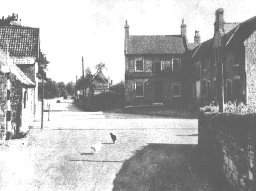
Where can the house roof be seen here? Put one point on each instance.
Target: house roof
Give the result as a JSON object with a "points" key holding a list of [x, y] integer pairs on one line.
{"points": [[229, 26], [237, 32], [19, 41], [155, 44]]}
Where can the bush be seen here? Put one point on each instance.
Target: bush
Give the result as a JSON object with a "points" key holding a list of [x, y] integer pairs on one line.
{"points": [[105, 101], [231, 107]]}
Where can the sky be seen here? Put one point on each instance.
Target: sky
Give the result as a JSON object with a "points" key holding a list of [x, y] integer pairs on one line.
{"points": [[94, 29]]}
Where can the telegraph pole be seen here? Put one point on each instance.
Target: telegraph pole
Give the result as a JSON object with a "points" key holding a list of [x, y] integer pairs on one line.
{"points": [[42, 114], [83, 72]]}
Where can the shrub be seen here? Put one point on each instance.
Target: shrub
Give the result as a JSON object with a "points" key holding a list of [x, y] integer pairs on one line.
{"points": [[231, 107]]}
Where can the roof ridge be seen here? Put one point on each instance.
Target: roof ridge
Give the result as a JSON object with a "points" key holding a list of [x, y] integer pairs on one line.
{"points": [[156, 35], [15, 26]]}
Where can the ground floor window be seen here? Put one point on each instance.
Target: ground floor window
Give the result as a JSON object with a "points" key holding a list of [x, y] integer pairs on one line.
{"points": [[229, 90], [236, 88], [176, 89], [139, 89]]}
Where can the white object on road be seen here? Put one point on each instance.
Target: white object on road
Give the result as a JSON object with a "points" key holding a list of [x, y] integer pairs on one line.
{"points": [[96, 147]]}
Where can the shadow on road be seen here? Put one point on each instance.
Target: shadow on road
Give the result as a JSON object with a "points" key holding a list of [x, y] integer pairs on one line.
{"points": [[161, 167]]}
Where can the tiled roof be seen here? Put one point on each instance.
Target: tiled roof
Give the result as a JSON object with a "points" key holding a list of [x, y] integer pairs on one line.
{"points": [[20, 41], [229, 26], [156, 44], [191, 46], [203, 49], [238, 33]]}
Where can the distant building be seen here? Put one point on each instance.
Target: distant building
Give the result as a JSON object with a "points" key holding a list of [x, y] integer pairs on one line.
{"points": [[156, 68]]}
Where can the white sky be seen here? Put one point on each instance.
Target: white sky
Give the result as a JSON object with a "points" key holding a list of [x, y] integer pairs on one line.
{"points": [[70, 29]]}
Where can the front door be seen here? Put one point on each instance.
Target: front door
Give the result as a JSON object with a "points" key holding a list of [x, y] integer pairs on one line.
{"points": [[158, 92]]}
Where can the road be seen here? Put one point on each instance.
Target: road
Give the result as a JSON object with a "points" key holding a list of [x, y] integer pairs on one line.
{"points": [[59, 157]]}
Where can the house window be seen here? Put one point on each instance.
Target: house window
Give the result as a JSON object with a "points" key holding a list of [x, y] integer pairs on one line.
{"points": [[229, 90], [209, 93], [215, 88], [194, 90], [204, 88], [176, 89], [139, 89], [176, 64], [139, 65], [236, 88], [165, 65], [25, 99]]}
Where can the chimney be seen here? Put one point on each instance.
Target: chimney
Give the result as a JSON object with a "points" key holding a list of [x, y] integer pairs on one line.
{"points": [[126, 27], [183, 28], [219, 20], [197, 38]]}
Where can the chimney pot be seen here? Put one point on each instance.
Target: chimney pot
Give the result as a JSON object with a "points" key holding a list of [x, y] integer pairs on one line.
{"points": [[219, 20], [197, 38], [183, 28]]}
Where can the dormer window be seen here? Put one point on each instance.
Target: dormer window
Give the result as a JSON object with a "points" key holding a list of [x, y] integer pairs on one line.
{"points": [[176, 64], [139, 65]]}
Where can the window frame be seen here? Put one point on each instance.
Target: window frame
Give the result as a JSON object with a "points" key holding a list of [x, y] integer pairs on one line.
{"points": [[176, 58], [135, 64], [165, 61], [142, 89], [175, 84], [229, 81]]}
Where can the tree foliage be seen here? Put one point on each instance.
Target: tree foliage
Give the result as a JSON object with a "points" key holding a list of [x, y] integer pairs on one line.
{"points": [[42, 64], [90, 80]]}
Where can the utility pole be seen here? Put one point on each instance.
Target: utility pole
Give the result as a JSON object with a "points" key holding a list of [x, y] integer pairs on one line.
{"points": [[42, 114], [83, 72], [221, 77]]}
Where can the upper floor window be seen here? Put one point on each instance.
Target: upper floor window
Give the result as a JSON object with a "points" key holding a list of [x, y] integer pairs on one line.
{"points": [[139, 65], [176, 64], [165, 64], [139, 89], [204, 88], [176, 89]]}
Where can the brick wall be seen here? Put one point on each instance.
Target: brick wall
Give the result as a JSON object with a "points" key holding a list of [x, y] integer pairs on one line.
{"points": [[227, 144], [130, 96], [250, 68]]}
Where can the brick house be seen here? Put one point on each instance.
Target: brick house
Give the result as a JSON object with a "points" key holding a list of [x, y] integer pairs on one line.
{"points": [[234, 45], [21, 47], [156, 68]]}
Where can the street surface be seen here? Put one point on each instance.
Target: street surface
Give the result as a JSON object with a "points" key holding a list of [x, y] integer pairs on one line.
{"points": [[59, 157]]}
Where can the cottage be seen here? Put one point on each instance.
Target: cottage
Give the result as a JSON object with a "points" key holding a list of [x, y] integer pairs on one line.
{"points": [[231, 50], [16, 91], [21, 47], [156, 68]]}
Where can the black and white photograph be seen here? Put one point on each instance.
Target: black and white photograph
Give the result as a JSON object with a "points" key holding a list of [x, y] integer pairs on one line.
{"points": [[128, 95]]}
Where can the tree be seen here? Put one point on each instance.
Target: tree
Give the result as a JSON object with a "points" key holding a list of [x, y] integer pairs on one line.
{"points": [[42, 65], [70, 88], [90, 80]]}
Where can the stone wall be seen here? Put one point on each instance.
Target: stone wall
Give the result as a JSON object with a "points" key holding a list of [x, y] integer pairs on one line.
{"points": [[227, 144], [2, 105], [250, 68]]}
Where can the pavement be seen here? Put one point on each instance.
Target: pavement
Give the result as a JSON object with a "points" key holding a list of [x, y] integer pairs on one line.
{"points": [[151, 153]]}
